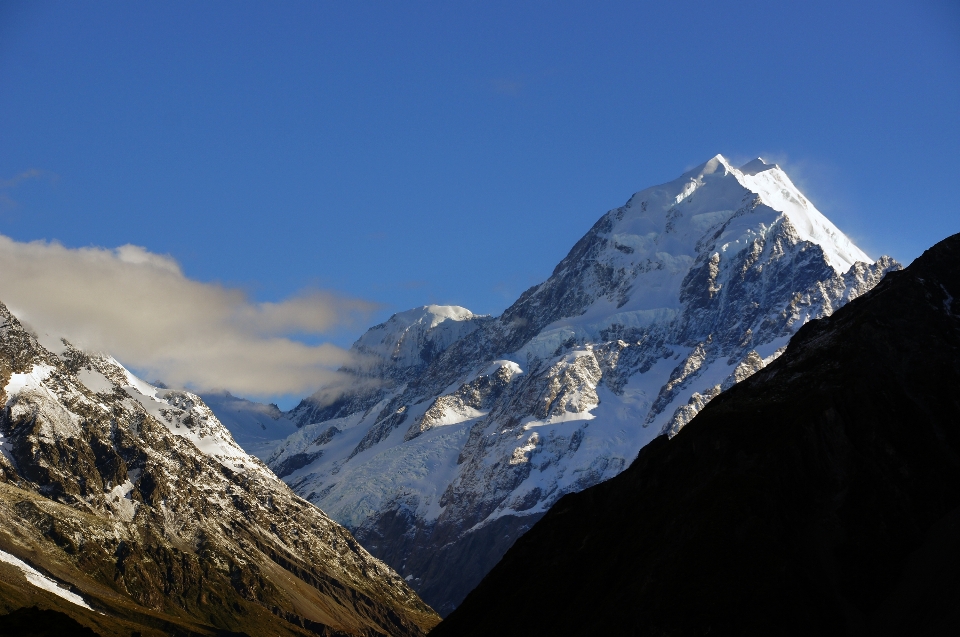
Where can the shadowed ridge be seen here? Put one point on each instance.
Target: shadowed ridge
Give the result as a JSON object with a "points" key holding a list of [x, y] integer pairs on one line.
{"points": [[820, 496]]}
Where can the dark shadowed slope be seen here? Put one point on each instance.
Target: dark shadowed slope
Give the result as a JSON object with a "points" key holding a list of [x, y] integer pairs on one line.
{"points": [[820, 496], [36, 622]]}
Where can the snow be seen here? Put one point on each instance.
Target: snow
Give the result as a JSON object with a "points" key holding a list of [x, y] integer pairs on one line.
{"points": [[24, 393], [609, 434], [206, 433], [564, 416], [53, 344], [6, 447], [588, 327], [40, 580], [403, 336], [95, 381], [777, 191], [455, 417], [142, 387], [120, 498], [948, 301], [30, 380]]}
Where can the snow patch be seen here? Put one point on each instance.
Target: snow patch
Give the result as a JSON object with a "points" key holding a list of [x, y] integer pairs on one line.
{"points": [[95, 381], [40, 580], [947, 302], [31, 380], [119, 497], [6, 448]]}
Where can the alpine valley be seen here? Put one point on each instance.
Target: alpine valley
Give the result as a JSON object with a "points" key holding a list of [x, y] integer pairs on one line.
{"points": [[132, 508], [455, 433]]}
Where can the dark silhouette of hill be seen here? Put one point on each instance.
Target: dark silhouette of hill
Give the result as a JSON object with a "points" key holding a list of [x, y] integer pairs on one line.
{"points": [[36, 622], [821, 496]]}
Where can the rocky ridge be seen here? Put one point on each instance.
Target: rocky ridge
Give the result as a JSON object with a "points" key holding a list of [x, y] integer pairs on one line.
{"points": [[130, 507], [458, 432]]}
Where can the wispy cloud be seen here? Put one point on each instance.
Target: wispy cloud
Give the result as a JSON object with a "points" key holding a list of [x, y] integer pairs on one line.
{"points": [[141, 308], [8, 184], [506, 86], [33, 173]]}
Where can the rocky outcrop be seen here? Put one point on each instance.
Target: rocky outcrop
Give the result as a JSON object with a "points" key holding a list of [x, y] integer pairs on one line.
{"points": [[818, 496], [137, 501]]}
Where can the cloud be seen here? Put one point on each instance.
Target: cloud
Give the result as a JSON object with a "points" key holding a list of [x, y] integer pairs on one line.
{"points": [[506, 86], [139, 307], [33, 173], [6, 200]]}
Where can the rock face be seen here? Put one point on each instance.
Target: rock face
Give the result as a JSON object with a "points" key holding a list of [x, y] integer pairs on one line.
{"points": [[131, 508], [459, 431], [820, 496]]}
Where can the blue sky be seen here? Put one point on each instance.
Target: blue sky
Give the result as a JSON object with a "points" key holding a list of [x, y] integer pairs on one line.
{"points": [[453, 152]]}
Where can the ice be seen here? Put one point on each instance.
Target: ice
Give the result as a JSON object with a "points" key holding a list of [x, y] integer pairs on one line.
{"points": [[252, 424]]}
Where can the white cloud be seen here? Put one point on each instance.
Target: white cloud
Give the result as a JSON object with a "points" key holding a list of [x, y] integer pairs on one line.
{"points": [[139, 307]]}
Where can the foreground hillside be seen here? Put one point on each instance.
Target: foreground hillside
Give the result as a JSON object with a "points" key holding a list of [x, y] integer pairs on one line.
{"points": [[458, 432], [130, 508], [821, 496]]}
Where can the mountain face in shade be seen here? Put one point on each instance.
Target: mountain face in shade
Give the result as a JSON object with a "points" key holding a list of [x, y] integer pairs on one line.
{"points": [[130, 508], [456, 432], [821, 496]]}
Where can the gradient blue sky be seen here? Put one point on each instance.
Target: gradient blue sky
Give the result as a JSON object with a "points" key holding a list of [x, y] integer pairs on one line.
{"points": [[453, 152]]}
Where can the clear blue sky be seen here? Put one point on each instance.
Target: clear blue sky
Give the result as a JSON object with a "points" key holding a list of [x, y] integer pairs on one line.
{"points": [[453, 152]]}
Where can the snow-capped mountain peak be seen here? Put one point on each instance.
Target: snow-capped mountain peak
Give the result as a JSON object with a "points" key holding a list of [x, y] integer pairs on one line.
{"points": [[755, 166], [713, 192], [778, 191], [468, 428], [408, 338]]}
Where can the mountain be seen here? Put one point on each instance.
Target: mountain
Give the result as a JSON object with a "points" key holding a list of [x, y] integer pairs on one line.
{"points": [[821, 496], [254, 426], [456, 432], [131, 509]]}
